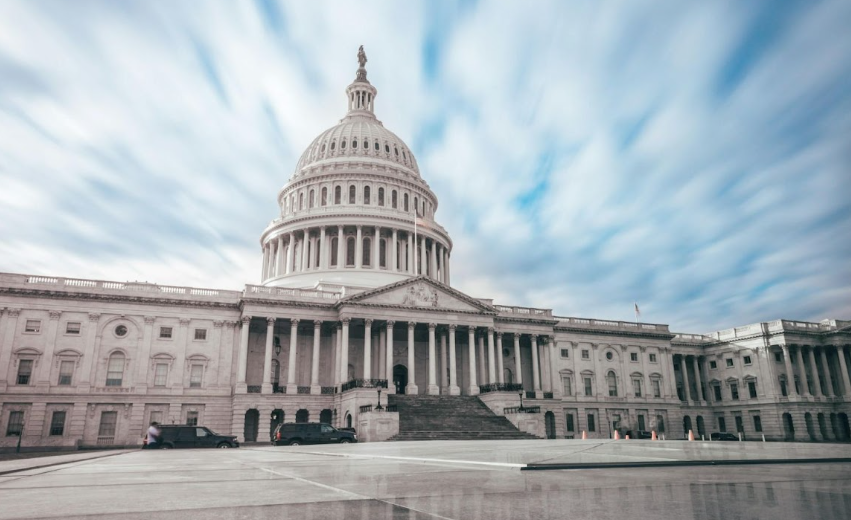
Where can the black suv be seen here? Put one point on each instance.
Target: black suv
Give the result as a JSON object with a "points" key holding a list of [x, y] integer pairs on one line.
{"points": [[184, 436], [639, 434], [295, 434], [718, 436]]}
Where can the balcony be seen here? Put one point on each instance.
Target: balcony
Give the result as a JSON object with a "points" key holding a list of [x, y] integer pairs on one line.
{"points": [[521, 409]]}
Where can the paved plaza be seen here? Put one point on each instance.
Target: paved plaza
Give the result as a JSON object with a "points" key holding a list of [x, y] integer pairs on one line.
{"points": [[441, 479]]}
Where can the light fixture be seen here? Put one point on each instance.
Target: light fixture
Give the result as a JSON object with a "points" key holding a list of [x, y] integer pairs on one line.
{"points": [[277, 346]]}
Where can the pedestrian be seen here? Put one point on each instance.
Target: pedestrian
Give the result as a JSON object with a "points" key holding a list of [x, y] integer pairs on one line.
{"points": [[153, 436]]}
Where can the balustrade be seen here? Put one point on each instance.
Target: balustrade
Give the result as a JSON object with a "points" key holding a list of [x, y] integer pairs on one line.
{"points": [[521, 409], [364, 383], [500, 387]]}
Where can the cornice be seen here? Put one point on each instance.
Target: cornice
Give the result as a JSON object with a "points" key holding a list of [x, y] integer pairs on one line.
{"points": [[114, 298], [622, 333], [442, 310], [533, 321], [286, 303]]}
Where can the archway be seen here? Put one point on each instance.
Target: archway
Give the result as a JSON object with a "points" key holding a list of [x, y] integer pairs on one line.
{"points": [[834, 426], [252, 424], [400, 378], [788, 427], [348, 420], [302, 416], [811, 430], [509, 376], [325, 416], [550, 425], [277, 418], [701, 431], [844, 427], [686, 425], [822, 426]]}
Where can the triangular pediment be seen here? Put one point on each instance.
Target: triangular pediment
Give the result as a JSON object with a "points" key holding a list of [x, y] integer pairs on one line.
{"points": [[419, 293]]}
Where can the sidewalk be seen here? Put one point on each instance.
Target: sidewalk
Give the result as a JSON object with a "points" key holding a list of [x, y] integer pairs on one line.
{"points": [[12, 466]]}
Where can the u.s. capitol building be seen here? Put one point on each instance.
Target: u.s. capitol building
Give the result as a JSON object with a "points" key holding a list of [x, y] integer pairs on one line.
{"points": [[355, 297]]}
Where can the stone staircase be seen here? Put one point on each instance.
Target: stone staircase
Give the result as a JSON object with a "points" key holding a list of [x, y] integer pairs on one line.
{"points": [[444, 417]]}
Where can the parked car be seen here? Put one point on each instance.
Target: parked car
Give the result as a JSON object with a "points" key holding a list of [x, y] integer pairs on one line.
{"points": [[639, 434], [725, 436], [295, 434], [184, 436]]}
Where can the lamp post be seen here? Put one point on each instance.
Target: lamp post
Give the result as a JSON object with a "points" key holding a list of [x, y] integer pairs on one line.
{"points": [[521, 400], [379, 400]]}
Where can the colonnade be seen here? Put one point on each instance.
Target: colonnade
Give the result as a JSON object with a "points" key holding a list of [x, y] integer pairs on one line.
{"points": [[807, 373], [330, 247]]}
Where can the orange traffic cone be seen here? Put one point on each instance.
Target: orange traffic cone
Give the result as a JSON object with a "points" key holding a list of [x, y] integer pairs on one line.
{"points": [[653, 436], [617, 436], [690, 435], [627, 437], [584, 435]]}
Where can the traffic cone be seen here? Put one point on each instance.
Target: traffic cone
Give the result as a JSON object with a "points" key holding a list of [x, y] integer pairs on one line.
{"points": [[690, 435], [617, 436], [627, 437], [653, 436], [584, 435]]}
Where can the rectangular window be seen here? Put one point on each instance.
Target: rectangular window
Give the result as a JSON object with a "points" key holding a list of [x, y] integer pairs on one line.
{"points": [[106, 430], [740, 427], [636, 386], [722, 424], [747, 360], [591, 426], [613, 386], [729, 362], [25, 371], [72, 327], [569, 422], [165, 332], [160, 374], [660, 423], [16, 424], [156, 416], [585, 354], [652, 358], [192, 418], [587, 382], [33, 326], [713, 365], [57, 424], [633, 356], [783, 390], [565, 352], [195, 375], [568, 390], [200, 334], [641, 425], [66, 373], [734, 391], [717, 390], [115, 370], [752, 389], [757, 423], [778, 358], [657, 388]]}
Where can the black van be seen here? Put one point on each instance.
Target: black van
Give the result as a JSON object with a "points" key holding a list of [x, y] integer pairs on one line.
{"points": [[295, 434], [185, 436]]}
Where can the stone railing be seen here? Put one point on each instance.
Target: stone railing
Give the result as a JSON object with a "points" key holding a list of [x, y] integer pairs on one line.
{"points": [[524, 312], [692, 338], [500, 387], [275, 293], [255, 389], [303, 390], [328, 390], [521, 409], [628, 326], [364, 383]]}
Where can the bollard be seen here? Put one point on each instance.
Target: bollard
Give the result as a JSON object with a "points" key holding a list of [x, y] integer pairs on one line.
{"points": [[763, 437], [653, 436], [626, 437], [584, 435], [691, 435]]}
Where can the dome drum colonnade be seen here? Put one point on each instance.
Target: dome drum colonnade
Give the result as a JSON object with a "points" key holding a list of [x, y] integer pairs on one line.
{"points": [[356, 212]]}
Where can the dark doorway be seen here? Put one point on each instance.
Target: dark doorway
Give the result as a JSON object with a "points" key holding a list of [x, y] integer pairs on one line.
{"points": [[302, 416], [844, 427], [811, 430], [686, 425], [277, 418], [788, 427], [252, 425], [550, 425], [822, 426], [400, 378], [701, 429], [325, 416], [348, 420]]}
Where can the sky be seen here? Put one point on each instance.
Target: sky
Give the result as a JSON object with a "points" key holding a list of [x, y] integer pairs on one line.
{"points": [[693, 157]]}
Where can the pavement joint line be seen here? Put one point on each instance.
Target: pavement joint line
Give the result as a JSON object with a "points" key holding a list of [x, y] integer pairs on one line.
{"points": [[536, 466], [3, 473], [511, 465]]}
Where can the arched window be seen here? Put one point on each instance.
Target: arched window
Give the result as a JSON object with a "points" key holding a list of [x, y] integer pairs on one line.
{"points": [[334, 246], [416, 204], [612, 380], [301, 201], [293, 206], [350, 251], [405, 202], [377, 147], [323, 148], [115, 369], [396, 150], [352, 194], [338, 191], [286, 205], [366, 193], [380, 196], [333, 145], [324, 196], [386, 148], [312, 198], [382, 255], [424, 213], [367, 243], [394, 200], [354, 144], [343, 145]]}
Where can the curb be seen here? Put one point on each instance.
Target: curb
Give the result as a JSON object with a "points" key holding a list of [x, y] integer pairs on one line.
{"points": [[41, 466], [534, 466]]}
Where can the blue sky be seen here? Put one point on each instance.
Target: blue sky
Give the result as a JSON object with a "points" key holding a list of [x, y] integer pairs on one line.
{"points": [[695, 157]]}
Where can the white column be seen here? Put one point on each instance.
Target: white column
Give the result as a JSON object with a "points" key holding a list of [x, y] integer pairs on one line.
{"points": [[843, 366], [412, 384], [440, 257], [483, 371], [423, 252], [323, 249], [267, 358], [338, 352], [367, 349], [828, 378], [491, 361], [500, 366], [686, 385], [341, 247], [344, 352], [433, 260], [697, 379], [433, 389], [314, 365], [292, 384], [388, 360], [471, 348], [359, 248], [243, 351], [453, 368], [447, 268], [376, 249], [290, 249], [814, 369], [382, 353], [409, 254], [444, 377], [803, 373], [517, 367], [536, 367], [279, 261], [265, 263], [395, 253], [43, 378]]}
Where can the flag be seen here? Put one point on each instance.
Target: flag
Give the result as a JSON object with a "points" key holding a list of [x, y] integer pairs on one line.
{"points": [[637, 312]]}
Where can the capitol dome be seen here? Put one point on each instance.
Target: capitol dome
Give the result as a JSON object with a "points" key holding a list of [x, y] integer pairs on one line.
{"points": [[356, 213]]}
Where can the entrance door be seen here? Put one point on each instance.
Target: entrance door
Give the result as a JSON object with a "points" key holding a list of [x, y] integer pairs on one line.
{"points": [[550, 425], [400, 378], [252, 423]]}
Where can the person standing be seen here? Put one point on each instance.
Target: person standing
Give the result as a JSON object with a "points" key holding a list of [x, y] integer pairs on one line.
{"points": [[153, 436]]}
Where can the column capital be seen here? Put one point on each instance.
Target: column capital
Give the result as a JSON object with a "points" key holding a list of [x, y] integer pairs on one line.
{"points": [[367, 322], [54, 315], [317, 324], [245, 320], [490, 330], [390, 324], [216, 323], [432, 326], [499, 334], [270, 321], [151, 319], [452, 327], [93, 316], [293, 322], [411, 325], [346, 321], [230, 324]]}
